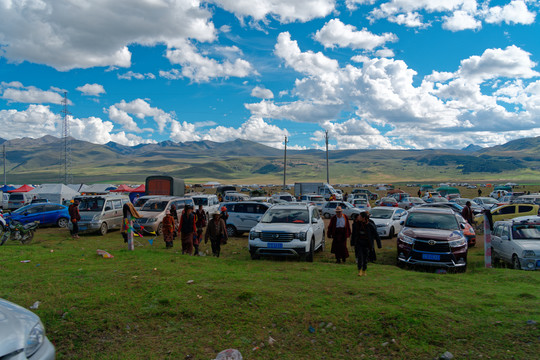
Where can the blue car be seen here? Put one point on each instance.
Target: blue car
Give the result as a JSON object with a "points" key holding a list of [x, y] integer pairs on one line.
{"points": [[45, 213]]}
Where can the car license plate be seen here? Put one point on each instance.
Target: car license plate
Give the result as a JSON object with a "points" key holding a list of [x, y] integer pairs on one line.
{"points": [[82, 228], [275, 245], [431, 257]]}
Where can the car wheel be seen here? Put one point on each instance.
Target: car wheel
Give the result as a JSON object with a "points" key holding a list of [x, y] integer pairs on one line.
{"points": [[103, 229], [515, 263], [231, 230], [254, 256], [310, 254], [159, 229], [327, 215], [391, 233], [62, 222], [400, 264]]}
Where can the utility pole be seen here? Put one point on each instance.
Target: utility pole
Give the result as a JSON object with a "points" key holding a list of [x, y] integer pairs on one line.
{"points": [[285, 165], [66, 158], [327, 169], [4, 148]]}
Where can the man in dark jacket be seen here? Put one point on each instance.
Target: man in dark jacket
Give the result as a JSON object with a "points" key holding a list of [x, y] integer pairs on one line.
{"points": [[339, 230], [75, 217], [467, 213], [364, 232], [186, 229]]}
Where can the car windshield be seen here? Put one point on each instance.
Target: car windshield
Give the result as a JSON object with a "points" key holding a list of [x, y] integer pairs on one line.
{"points": [[432, 221], [200, 201], [489, 201], [22, 209], [91, 204], [297, 216], [526, 232], [382, 213], [156, 206]]}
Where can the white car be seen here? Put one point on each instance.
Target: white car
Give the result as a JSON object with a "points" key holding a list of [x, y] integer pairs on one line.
{"points": [[210, 203], [329, 209], [244, 215], [517, 242], [22, 335], [288, 230], [318, 200], [362, 204], [388, 220]]}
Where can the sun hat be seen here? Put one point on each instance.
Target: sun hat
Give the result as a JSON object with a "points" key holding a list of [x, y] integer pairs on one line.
{"points": [[338, 209]]}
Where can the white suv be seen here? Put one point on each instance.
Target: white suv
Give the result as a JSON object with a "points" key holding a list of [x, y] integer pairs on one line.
{"points": [[517, 242], [288, 230]]}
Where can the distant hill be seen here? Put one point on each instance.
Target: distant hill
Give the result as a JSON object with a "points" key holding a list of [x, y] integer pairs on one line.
{"points": [[472, 148], [243, 161]]}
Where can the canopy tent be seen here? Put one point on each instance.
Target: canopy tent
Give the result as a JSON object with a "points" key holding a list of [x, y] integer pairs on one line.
{"points": [[426, 187], [445, 190], [55, 193], [140, 189], [95, 189], [503, 187], [123, 188], [7, 188], [24, 188]]}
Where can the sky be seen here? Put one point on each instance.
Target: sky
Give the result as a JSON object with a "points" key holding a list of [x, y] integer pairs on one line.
{"points": [[374, 74]]}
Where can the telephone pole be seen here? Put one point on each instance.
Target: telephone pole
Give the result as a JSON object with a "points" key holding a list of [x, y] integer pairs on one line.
{"points": [[327, 170], [66, 151], [285, 165], [4, 148]]}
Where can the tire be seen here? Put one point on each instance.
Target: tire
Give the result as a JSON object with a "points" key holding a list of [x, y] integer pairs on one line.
{"points": [[27, 238], [391, 233], [400, 264], [327, 215], [231, 230], [310, 254], [254, 256], [495, 260], [159, 229], [515, 263], [103, 229], [62, 222]]}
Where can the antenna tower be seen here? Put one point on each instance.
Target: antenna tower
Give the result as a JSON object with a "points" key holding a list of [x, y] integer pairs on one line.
{"points": [[66, 177]]}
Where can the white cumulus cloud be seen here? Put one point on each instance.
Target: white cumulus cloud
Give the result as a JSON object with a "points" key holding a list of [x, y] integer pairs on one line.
{"points": [[16, 92], [91, 89], [262, 93], [335, 33]]}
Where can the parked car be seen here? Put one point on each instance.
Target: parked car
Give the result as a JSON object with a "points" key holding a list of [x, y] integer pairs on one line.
{"points": [[210, 203], [288, 230], [283, 196], [498, 194], [517, 242], [234, 196], [317, 200], [362, 204], [387, 201], [468, 231], [432, 237], [388, 220], [410, 202], [23, 334], [477, 209], [154, 210], [244, 215], [431, 195], [529, 199], [486, 202], [45, 213], [456, 208], [100, 212], [142, 200], [329, 209], [18, 200], [38, 201], [372, 196], [5, 200], [510, 211]]}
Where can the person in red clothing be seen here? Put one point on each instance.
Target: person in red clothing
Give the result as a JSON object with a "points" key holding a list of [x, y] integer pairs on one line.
{"points": [[75, 217], [186, 229], [200, 221], [339, 229], [168, 229]]}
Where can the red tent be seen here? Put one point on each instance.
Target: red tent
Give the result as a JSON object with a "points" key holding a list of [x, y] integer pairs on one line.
{"points": [[24, 188], [140, 188], [123, 188]]}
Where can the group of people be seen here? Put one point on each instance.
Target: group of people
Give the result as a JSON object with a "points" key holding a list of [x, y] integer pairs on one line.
{"points": [[191, 227], [363, 235]]}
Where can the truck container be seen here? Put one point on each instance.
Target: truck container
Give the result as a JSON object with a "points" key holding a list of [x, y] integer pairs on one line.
{"points": [[319, 188], [165, 185]]}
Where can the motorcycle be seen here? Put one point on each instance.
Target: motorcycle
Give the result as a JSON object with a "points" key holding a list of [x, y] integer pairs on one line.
{"points": [[16, 231]]}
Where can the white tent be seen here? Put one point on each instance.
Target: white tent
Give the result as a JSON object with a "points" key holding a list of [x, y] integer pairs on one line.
{"points": [[55, 193], [96, 188]]}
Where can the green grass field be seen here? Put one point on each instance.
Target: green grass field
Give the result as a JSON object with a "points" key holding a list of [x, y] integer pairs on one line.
{"points": [[139, 305]]}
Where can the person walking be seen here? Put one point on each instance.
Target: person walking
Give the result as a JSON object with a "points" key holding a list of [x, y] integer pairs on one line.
{"points": [[216, 231], [168, 229], [186, 229], [75, 217], [467, 213], [224, 214], [200, 223], [479, 192], [339, 230], [364, 232]]}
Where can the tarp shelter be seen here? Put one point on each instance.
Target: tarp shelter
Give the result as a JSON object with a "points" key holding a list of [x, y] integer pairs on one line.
{"points": [[7, 188], [55, 193], [95, 189], [140, 189], [503, 187], [24, 188], [123, 188], [445, 190]]}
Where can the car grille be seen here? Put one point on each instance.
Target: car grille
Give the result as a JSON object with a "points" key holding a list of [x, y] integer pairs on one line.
{"points": [[277, 237], [437, 247]]}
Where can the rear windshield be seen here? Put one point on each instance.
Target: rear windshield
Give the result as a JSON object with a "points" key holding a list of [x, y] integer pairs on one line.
{"points": [[297, 216], [432, 221], [200, 201], [156, 206], [91, 204], [16, 197], [526, 232]]}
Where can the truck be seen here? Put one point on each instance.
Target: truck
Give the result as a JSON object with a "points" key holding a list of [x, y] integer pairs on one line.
{"points": [[165, 185], [324, 189]]}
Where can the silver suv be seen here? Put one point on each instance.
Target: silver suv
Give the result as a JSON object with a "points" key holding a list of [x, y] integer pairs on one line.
{"points": [[517, 242], [288, 230], [244, 215]]}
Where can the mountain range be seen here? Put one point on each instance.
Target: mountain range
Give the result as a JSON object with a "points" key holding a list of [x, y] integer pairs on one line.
{"points": [[41, 160]]}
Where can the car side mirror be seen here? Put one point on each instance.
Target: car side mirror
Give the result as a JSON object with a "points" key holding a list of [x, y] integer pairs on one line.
{"points": [[462, 225], [314, 221], [108, 208], [402, 222]]}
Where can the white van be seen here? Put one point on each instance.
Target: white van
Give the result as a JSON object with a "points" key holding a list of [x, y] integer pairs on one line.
{"points": [[17, 200], [210, 203], [100, 212]]}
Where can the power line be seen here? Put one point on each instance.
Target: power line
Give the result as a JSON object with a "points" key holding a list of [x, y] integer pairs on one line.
{"points": [[66, 151]]}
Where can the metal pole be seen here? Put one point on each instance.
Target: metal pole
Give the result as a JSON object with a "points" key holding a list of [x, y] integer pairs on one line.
{"points": [[487, 239], [285, 165], [327, 170], [4, 147]]}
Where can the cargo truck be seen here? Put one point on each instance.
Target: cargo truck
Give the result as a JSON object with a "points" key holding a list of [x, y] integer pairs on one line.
{"points": [[165, 185], [319, 188]]}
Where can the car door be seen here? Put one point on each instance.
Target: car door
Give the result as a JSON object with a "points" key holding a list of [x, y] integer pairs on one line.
{"points": [[399, 215], [34, 213], [250, 216], [318, 227], [50, 214], [505, 212], [496, 241]]}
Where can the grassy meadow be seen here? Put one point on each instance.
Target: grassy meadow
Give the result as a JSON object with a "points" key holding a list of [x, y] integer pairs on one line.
{"points": [[139, 305]]}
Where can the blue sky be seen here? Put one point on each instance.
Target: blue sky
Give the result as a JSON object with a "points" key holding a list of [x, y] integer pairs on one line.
{"points": [[374, 74]]}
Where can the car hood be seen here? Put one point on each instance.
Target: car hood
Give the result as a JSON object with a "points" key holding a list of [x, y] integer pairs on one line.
{"points": [[15, 325], [529, 245], [281, 227], [432, 234], [150, 214], [381, 221]]}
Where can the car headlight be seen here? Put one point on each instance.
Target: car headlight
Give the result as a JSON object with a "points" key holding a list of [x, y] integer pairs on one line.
{"points": [[35, 339], [254, 235], [457, 243], [302, 236], [151, 220], [528, 254], [406, 239]]}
